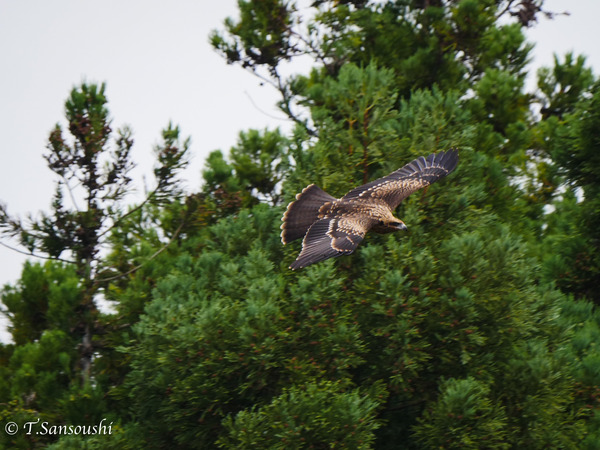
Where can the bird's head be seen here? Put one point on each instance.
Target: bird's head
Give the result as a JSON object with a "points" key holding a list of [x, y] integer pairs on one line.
{"points": [[398, 225], [389, 226]]}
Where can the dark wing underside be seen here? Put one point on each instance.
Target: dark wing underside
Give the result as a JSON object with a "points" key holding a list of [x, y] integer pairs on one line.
{"points": [[398, 185], [303, 212], [330, 237]]}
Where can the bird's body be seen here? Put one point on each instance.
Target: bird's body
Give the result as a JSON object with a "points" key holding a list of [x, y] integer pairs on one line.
{"points": [[332, 227]]}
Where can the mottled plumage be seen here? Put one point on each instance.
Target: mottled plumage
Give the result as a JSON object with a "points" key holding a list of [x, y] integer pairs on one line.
{"points": [[333, 227]]}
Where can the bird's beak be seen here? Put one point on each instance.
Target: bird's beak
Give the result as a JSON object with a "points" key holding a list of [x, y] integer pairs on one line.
{"points": [[401, 227]]}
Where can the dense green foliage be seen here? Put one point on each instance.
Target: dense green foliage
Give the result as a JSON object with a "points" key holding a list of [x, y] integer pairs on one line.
{"points": [[475, 329]]}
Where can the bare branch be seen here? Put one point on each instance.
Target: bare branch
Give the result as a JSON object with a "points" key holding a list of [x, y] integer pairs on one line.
{"points": [[260, 110], [139, 266], [51, 258], [129, 213], [506, 9]]}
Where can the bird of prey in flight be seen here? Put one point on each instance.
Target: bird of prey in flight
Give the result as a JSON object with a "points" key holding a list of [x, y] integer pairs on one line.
{"points": [[332, 227]]}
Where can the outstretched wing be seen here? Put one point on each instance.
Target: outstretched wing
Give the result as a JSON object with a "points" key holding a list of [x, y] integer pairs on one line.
{"points": [[398, 185], [330, 237], [302, 213]]}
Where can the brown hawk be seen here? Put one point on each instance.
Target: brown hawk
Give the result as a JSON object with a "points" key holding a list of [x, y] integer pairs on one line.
{"points": [[333, 227]]}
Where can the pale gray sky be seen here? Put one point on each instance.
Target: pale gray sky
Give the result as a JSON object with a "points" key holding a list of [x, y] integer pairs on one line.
{"points": [[155, 57], [158, 66]]}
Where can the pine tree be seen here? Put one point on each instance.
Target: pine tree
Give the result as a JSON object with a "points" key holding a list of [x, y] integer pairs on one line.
{"points": [[572, 234], [442, 338], [56, 325]]}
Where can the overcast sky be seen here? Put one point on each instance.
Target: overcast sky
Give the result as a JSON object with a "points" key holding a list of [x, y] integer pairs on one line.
{"points": [[159, 67]]}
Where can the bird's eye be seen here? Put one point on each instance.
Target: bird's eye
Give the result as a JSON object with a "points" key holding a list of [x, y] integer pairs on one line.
{"points": [[381, 222]]}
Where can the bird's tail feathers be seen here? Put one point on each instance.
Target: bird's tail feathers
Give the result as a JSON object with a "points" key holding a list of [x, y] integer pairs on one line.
{"points": [[303, 212]]}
